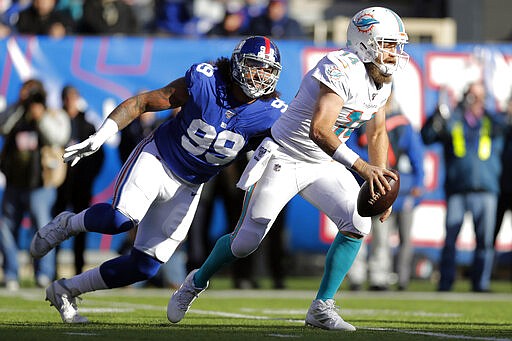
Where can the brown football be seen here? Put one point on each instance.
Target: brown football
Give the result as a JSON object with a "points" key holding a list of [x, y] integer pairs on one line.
{"points": [[368, 206]]}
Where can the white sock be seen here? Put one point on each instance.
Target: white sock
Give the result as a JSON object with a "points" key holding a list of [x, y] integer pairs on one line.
{"points": [[88, 281], [76, 222]]}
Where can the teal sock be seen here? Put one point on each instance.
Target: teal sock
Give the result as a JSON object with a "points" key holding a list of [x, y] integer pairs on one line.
{"points": [[220, 256], [339, 259]]}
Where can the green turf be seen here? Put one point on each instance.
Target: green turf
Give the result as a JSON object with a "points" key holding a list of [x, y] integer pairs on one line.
{"points": [[222, 314], [312, 283]]}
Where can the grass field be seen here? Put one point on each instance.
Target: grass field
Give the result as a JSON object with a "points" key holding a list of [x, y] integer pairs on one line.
{"points": [[223, 314]]}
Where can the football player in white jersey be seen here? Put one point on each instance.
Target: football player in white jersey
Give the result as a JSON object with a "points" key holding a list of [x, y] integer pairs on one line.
{"points": [[308, 156]]}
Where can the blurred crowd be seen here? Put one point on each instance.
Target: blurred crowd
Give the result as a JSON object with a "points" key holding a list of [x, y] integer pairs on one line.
{"points": [[58, 18]]}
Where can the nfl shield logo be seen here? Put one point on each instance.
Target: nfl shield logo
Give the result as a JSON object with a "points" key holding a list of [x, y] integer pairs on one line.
{"points": [[229, 114]]}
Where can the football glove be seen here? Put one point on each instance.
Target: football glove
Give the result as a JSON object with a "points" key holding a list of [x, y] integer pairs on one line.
{"points": [[77, 151], [89, 146]]}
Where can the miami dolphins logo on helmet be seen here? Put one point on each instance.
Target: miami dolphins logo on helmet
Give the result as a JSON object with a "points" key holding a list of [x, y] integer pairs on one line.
{"points": [[365, 22]]}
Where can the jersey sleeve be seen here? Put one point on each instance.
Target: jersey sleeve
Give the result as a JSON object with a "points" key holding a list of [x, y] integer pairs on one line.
{"points": [[333, 76], [271, 109], [199, 79]]}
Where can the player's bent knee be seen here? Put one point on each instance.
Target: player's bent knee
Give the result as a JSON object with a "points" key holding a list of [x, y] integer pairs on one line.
{"points": [[125, 270], [245, 243], [361, 225], [144, 264]]}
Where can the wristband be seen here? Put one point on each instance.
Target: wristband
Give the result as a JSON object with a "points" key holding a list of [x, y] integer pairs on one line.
{"points": [[345, 155], [108, 129]]}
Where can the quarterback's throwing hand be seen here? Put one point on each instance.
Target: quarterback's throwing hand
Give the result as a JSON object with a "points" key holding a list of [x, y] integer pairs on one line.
{"points": [[77, 151]]}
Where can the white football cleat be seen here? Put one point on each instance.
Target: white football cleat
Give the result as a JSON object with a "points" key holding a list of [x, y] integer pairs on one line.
{"points": [[182, 298], [63, 300], [323, 314], [51, 235]]}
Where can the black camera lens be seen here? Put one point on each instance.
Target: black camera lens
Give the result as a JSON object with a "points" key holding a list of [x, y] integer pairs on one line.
{"points": [[36, 97]]}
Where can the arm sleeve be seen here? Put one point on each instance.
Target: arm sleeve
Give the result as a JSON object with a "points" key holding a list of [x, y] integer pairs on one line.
{"points": [[200, 78]]}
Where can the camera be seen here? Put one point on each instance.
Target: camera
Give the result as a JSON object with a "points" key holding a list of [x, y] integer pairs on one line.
{"points": [[35, 96]]}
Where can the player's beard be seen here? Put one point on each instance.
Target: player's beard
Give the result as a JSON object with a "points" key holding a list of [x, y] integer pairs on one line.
{"points": [[376, 74]]}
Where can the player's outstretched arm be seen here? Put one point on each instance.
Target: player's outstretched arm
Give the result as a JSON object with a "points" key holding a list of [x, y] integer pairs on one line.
{"points": [[172, 95]]}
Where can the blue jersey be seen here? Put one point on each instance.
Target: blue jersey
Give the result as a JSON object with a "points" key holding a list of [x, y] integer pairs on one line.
{"points": [[212, 128]]}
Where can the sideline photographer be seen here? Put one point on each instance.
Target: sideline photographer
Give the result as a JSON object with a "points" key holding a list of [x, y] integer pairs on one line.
{"points": [[31, 162]]}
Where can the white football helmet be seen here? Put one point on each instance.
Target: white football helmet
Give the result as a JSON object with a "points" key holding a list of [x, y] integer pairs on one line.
{"points": [[369, 29]]}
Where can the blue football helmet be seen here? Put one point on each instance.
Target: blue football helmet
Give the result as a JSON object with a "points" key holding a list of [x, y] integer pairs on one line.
{"points": [[256, 65]]}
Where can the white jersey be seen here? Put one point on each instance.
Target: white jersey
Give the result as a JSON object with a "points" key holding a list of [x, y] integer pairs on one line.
{"points": [[344, 73]]}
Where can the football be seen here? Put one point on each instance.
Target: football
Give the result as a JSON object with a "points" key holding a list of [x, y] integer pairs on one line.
{"points": [[368, 206]]}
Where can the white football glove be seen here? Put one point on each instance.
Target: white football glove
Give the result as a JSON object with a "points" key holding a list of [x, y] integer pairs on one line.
{"points": [[87, 147], [77, 151]]}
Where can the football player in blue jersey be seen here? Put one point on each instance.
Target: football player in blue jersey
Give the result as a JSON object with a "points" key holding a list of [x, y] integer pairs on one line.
{"points": [[225, 108]]}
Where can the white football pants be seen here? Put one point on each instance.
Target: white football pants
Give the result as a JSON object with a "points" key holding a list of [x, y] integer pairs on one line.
{"points": [[328, 186], [163, 204]]}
